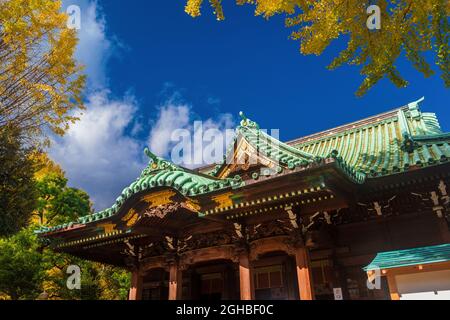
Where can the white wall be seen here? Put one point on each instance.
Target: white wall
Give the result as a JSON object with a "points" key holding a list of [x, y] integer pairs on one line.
{"points": [[434, 285]]}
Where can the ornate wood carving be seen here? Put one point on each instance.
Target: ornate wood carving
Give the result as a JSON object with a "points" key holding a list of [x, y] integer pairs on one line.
{"points": [[153, 263], [206, 240], [292, 217], [239, 231], [191, 205], [159, 198], [272, 228], [225, 252], [266, 245], [154, 249], [223, 200], [162, 210], [316, 220], [107, 227], [438, 201], [131, 218], [379, 207], [152, 255], [131, 253]]}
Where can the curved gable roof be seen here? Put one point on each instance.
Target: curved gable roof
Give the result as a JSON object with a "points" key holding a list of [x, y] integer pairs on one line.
{"points": [[385, 144]]}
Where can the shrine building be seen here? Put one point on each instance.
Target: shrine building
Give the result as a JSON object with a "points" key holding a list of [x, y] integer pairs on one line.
{"points": [[312, 218]]}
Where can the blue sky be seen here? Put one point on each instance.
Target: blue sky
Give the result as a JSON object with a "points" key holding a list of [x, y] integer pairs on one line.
{"points": [[152, 68]]}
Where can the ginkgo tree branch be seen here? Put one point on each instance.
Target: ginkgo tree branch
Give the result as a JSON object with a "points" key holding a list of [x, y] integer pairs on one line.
{"points": [[40, 80], [318, 22]]}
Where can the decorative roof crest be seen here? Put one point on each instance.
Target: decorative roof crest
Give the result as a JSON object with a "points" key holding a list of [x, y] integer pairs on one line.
{"points": [[246, 122], [157, 164], [414, 108], [415, 104]]}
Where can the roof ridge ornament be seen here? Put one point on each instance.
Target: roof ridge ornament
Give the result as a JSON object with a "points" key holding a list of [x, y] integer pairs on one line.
{"points": [[246, 122], [415, 104], [414, 109], [150, 154], [157, 164]]}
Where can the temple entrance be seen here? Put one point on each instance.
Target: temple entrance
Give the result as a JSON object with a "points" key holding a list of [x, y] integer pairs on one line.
{"points": [[212, 281], [274, 277], [324, 279], [155, 285], [212, 286]]}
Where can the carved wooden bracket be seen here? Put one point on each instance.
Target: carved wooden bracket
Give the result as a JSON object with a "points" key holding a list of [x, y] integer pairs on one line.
{"points": [[379, 207], [227, 252], [292, 217], [153, 263], [266, 245]]}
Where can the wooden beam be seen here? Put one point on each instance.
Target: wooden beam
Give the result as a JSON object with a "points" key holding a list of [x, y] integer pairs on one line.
{"points": [[306, 291], [428, 267], [393, 290]]}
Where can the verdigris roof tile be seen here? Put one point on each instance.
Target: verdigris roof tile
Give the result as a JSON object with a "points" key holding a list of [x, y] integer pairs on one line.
{"points": [[410, 257], [381, 145], [385, 144], [160, 173]]}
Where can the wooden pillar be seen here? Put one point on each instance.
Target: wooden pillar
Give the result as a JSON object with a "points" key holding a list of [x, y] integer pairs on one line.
{"points": [[444, 229], [393, 290], [304, 274], [136, 285], [175, 282], [245, 278]]}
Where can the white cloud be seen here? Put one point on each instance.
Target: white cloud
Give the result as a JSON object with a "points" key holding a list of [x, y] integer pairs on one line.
{"points": [[102, 153], [221, 122], [97, 153], [178, 118], [171, 117]]}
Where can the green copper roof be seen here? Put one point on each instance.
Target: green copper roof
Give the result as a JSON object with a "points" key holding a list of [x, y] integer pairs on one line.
{"points": [[266, 145], [160, 173], [283, 154], [410, 257], [385, 144]]}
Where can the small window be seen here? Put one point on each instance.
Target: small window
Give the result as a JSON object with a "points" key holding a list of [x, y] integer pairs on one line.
{"points": [[268, 277]]}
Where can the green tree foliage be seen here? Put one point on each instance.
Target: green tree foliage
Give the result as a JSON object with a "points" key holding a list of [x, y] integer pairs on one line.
{"points": [[98, 281], [116, 283], [58, 203], [54, 285], [21, 272], [30, 270], [17, 187]]}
